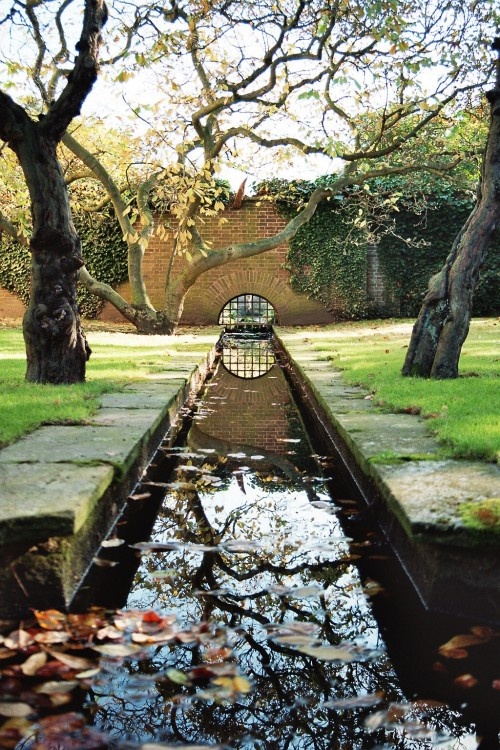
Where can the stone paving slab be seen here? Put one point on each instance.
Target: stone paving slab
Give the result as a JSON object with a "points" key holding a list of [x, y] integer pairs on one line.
{"points": [[431, 494], [150, 396], [48, 499], [80, 445], [425, 493], [377, 434]]}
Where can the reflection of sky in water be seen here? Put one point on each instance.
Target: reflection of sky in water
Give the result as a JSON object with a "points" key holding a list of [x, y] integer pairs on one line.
{"points": [[277, 526], [257, 547]]}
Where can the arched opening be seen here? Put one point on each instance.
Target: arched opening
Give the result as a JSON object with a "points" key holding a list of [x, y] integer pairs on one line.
{"points": [[247, 311]]}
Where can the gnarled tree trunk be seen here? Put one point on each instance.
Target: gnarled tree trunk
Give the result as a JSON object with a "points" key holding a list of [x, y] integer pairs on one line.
{"points": [[56, 348], [443, 322]]}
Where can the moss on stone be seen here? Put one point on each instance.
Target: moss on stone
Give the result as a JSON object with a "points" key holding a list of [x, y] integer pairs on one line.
{"points": [[482, 515]]}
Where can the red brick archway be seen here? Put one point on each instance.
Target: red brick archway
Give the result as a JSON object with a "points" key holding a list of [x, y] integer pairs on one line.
{"points": [[245, 281]]}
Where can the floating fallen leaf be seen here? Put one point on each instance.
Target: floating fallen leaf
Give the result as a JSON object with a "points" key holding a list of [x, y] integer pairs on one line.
{"points": [[85, 625], [294, 639], [57, 686], [461, 641], [101, 562], [241, 545], [455, 653], [484, 632], [18, 640], [305, 592], [109, 631], [465, 681], [50, 619], [216, 655], [159, 574], [33, 663], [60, 699], [15, 709], [74, 662], [162, 637], [307, 628], [155, 546], [357, 701], [180, 485], [175, 675], [112, 542], [140, 496], [328, 653], [395, 714], [88, 673], [242, 685], [52, 636], [236, 684], [117, 650], [372, 588]]}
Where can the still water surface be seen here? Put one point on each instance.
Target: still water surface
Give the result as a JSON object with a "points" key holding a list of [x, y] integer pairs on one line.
{"points": [[314, 638]]}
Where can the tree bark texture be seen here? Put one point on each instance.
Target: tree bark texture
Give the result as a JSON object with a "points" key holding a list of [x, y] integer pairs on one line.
{"points": [[56, 348], [443, 322]]}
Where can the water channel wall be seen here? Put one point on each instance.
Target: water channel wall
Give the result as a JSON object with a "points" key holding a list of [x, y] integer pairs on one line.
{"points": [[62, 487]]}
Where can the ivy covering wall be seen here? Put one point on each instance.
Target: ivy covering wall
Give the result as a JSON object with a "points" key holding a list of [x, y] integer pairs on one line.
{"points": [[104, 251], [407, 269], [328, 261], [328, 256]]}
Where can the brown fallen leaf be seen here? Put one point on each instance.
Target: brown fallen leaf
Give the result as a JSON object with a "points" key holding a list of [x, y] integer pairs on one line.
{"points": [[74, 662], [328, 653], [50, 619], [465, 681], [15, 709], [461, 641], [18, 640]]}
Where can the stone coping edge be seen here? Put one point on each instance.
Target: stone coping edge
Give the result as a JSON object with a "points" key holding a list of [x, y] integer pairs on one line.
{"points": [[425, 492]]}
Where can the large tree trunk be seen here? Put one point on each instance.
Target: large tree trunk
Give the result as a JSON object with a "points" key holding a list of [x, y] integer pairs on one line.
{"points": [[443, 322], [56, 348]]}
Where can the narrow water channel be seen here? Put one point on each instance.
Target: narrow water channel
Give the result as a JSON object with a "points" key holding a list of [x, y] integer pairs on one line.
{"points": [[302, 632]]}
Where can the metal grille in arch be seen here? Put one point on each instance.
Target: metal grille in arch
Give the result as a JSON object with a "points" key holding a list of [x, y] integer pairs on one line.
{"points": [[247, 311]]}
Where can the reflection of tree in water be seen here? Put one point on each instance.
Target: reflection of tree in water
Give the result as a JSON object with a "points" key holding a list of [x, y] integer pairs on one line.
{"points": [[275, 583]]}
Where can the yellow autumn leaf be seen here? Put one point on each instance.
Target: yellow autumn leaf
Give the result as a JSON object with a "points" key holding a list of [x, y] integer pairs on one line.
{"points": [[241, 685]]}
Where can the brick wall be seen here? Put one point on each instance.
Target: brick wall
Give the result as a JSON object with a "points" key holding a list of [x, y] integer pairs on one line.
{"points": [[262, 274], [10, 305]]}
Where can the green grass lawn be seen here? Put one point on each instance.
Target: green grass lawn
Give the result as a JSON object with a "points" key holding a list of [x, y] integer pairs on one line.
{"points": [[117, 358], [464, 413]]}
